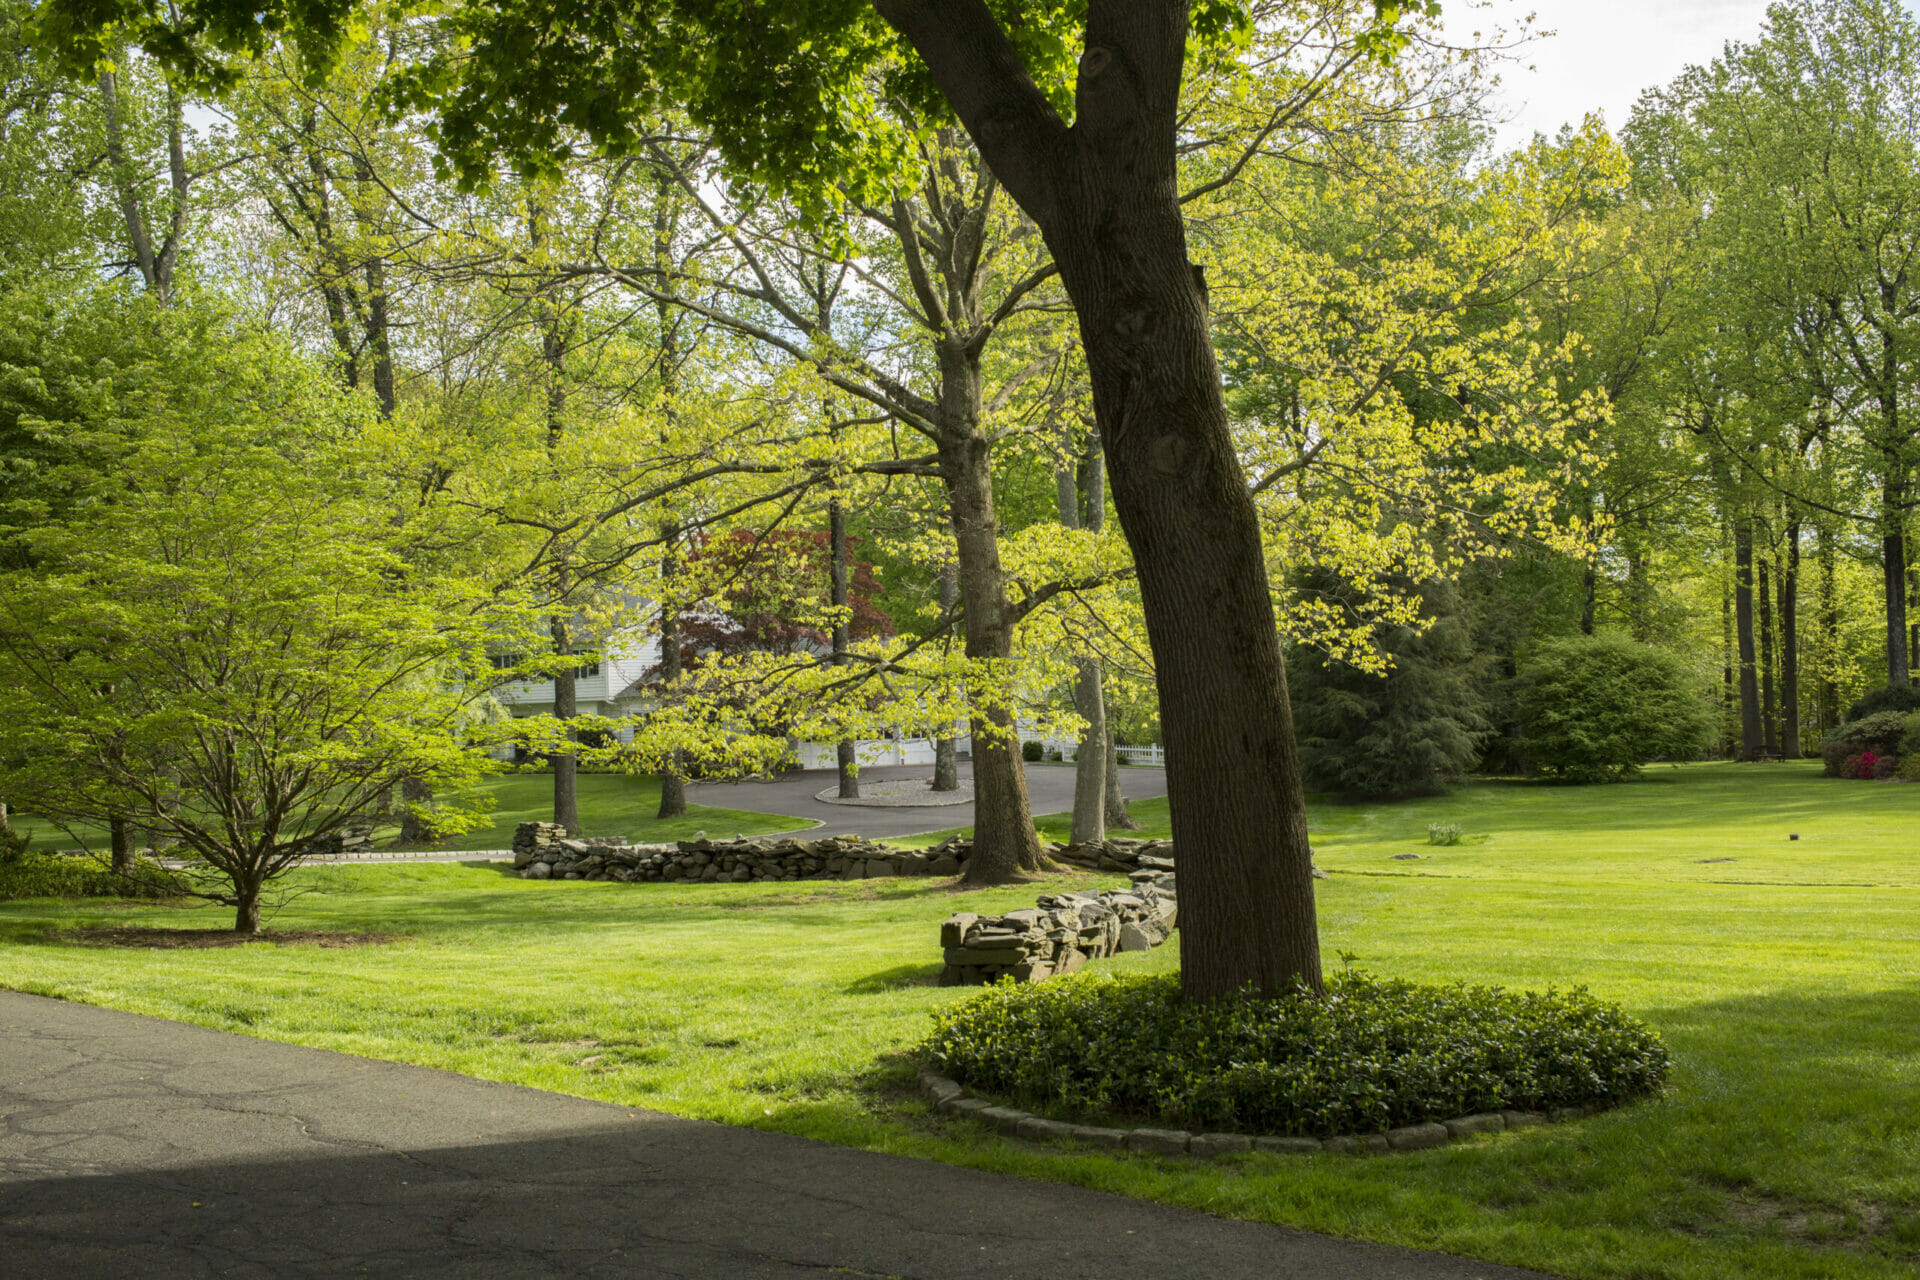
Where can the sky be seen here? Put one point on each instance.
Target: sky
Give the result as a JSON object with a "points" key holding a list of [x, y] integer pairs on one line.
{"points": [[1603, 53]]}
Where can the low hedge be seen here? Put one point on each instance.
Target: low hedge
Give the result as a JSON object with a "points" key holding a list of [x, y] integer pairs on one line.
{"points": [[1372, 1055], [52, 875]]}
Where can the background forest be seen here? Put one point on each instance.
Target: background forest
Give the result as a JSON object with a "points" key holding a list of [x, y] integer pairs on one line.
{"points": [[1567, 458]]}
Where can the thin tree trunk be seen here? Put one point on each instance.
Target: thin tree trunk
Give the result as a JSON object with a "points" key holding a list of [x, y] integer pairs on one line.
{"points": [[1768, 713], [946, 754], [1790, 646], [847, 762], [566, 764], [120, 836], [1116, 806], [673, 786], [1829, 635], [1729, 700], [1089, 698], [1893, 546], [1750, 737]]}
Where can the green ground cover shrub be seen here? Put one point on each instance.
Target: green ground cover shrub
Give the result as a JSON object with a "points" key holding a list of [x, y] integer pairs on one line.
{"points": [[1373, 1055], [51, 875]]}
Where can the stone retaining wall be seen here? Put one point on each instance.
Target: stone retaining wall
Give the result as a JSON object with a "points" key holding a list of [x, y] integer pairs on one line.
{"points": [[1062, 932], [542, 851]]}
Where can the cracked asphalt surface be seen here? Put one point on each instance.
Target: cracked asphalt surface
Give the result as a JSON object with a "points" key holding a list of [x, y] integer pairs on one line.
{"points": [[132, 1146]]}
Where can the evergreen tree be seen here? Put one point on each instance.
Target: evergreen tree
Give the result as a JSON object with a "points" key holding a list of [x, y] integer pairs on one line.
{"points": [[1408, 729]]}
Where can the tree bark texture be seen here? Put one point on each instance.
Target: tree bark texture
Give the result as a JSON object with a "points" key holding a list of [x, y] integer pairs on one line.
{"points": [[246, 911], [1750, 738], [1004, 840], [1104, 195]]}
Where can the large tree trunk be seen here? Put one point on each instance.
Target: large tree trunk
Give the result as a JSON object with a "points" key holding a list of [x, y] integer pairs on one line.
{"points": [[1790, 646], [845, 759], [566, 705], [1750, 738], [246, 911], [1105, 196]]}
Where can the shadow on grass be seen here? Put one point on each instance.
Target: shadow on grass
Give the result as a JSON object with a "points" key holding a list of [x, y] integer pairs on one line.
{"points": [[901, 975]]}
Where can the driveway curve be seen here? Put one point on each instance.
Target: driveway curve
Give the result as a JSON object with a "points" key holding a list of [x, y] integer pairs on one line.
{"points": [[1049, 790], [132, 1146]]}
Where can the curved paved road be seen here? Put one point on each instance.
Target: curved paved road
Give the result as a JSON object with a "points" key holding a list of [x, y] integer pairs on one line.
{"points": [[131, 1146], [1049, 790]]}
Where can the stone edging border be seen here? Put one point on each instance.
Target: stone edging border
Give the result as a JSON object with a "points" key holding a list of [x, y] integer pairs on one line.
{"points": [[948, 1096]]}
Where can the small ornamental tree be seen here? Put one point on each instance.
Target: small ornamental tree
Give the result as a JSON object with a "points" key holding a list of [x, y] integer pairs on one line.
{"points": [[1595, 708], [228, 636]]}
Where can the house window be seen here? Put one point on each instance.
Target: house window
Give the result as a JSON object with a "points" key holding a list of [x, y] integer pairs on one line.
{"points": [[505, 661], [588, 669]]}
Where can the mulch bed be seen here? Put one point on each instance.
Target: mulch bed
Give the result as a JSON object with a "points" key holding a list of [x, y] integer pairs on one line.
{"points": [[176, 939]]}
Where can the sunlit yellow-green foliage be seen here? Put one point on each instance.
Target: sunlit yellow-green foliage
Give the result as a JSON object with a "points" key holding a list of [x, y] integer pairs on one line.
{"points": [[1397, 412]]}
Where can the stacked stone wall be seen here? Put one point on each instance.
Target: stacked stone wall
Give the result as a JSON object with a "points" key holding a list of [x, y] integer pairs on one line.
{"points": [[1062, 932], [544, 852]]}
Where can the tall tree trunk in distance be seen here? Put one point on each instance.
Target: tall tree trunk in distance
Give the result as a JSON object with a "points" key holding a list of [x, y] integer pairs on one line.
{"points": [[1768, 715], [1729, 700], [1893, 550], [843, 750], [1639, 585], [1750, 739], [120, 837], [1117, 814], [1589, 590], [1829, 635], [1790, 645], [566, 765], [1004, 840], [946, 753], [673, 785], [1089, 699]]}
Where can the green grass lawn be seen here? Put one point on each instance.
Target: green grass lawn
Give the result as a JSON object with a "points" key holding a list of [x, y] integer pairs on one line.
{"points": [[611, 804], [1785, 976]]}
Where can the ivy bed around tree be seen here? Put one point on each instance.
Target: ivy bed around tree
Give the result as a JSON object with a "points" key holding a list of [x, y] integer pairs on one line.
{"points": [[1374, 1065]]}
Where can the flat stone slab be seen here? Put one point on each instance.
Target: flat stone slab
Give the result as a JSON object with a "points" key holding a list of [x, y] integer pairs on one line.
{"points": [[139, 1147]]}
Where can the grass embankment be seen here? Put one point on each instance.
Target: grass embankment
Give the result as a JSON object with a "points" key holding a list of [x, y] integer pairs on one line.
{"points": [[611, 804], [1785, 977]]}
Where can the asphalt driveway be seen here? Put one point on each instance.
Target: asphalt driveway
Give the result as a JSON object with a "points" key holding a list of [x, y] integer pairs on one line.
{"points": [[136, 1147], [1049, 790]]}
